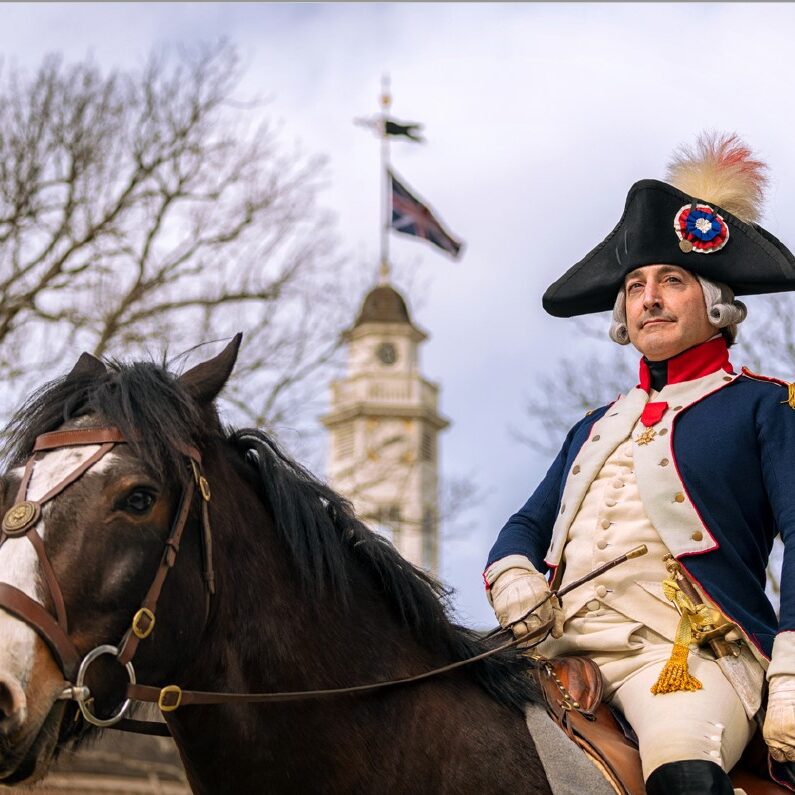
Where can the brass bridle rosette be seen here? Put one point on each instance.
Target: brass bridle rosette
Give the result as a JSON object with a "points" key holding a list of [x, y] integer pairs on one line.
{"points": [[20, 517]]}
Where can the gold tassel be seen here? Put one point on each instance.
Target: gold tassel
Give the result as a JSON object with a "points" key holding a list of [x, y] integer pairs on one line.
{"points": [[791, 395], [674, 675]]}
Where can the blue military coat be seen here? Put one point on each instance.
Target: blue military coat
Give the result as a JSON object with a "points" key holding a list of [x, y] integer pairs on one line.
{"points": [[718, 484]]}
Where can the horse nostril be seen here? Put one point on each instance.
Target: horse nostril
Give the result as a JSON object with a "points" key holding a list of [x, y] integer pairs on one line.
{"points": [[12, 706]]}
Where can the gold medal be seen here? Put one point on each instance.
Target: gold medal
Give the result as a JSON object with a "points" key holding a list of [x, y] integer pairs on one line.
{"points": [[645, 436]]}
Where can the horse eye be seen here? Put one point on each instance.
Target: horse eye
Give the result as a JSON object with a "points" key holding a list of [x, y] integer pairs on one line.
{"points": [[138, 502]]}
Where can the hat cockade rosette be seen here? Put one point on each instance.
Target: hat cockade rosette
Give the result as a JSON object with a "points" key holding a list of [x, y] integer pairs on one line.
{"points": [[700, 229], [710, 204]]}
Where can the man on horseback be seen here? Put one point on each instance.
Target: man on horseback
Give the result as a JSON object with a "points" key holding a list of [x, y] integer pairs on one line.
{"points": [[695, 462]]}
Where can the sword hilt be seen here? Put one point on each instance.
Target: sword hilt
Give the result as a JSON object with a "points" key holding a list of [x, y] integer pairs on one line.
{"points": [[714, 637], [688, 589]]}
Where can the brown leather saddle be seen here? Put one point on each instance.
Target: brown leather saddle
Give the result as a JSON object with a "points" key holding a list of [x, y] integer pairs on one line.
{"points": [[573, 690]]}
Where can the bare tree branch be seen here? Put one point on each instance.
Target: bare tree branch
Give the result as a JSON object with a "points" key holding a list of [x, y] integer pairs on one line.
{"points": [[149, 209]]}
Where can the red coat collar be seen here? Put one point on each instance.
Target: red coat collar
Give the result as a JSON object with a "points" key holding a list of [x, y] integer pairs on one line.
{"points": [[695, 362]]}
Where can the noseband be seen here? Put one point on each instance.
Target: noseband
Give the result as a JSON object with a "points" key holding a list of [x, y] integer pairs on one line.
{"points": [[52, 627]]}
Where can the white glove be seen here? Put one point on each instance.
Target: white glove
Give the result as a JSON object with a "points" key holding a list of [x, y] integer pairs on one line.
{"points": [[779, 728], [514, 586]]}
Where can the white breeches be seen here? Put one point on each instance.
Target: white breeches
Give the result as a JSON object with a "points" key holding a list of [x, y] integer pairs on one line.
{"points": [[708, 724]]}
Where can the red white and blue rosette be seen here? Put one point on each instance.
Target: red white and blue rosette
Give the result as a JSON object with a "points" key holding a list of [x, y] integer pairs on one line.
{"points": [[700, 229]]}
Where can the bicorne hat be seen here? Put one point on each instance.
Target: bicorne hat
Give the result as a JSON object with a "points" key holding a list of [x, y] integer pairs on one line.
{"points": [[702, 219]]}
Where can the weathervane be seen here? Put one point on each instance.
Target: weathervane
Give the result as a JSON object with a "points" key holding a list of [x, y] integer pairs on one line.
{"points": [[401, 210]]}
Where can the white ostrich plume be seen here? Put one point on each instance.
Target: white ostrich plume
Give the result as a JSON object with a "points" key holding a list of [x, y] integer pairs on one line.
{"points": [[721, 169]]}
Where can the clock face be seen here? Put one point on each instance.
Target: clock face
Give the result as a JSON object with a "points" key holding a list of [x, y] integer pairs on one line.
{"points": [[387, 353]]}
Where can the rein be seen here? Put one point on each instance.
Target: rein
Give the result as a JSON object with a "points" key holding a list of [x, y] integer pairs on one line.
{"points": [[20, 521], [170, 697]]}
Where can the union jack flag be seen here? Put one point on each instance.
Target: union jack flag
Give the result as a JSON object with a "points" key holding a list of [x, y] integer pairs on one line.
{"points": [[410, 216]]}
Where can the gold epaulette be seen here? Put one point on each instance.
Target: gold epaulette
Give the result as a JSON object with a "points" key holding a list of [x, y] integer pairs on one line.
{"points": [[790, 401]]}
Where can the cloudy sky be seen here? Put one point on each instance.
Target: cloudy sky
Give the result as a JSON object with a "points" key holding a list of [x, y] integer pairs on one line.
{"points": [[538, 117]]}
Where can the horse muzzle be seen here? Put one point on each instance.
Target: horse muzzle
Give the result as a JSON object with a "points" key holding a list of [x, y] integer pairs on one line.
{"points": [[29, 726]]}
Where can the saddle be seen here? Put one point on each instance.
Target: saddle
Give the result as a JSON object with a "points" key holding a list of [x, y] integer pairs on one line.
{"points": [[573, 688]]}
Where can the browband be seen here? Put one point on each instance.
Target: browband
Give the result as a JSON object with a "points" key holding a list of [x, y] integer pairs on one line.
{"points": [[77, 437], [83, 436]]}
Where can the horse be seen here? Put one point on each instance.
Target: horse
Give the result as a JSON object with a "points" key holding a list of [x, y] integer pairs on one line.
{"points": [[277, 586]]}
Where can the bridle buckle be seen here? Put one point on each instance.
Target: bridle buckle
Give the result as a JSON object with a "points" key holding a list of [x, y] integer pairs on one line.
{"points": [[163, 699], [144, 631], [201, 481]]}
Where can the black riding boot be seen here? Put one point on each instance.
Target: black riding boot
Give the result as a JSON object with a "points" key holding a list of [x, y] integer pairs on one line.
{"points": [[691, 777]]}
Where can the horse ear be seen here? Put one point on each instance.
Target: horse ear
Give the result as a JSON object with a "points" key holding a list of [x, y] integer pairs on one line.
{"points": [[206, 380], [86, 367]]}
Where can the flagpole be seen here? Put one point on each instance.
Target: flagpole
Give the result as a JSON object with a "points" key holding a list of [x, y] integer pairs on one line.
{"points": [[386, 102]]}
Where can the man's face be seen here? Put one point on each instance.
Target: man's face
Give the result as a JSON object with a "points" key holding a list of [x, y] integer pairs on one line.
{"points": [[666, 313]]}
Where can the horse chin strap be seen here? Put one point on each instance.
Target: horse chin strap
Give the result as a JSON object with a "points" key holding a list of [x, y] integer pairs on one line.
{"points": [[20, 522]]}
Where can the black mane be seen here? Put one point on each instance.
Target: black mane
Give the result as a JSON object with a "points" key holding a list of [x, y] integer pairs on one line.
{"points": [[325, 538], [142, 399], [319, 527]]}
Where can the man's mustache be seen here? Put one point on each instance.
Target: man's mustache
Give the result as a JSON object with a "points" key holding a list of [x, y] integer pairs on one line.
{"points": [[657, 316]]}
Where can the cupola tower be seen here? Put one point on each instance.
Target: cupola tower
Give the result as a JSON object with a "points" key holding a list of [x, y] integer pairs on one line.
{"points": [[384, 425]]}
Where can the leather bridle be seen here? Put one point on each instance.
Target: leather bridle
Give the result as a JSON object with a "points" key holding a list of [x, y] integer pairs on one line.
{"points": [[20, 522]]}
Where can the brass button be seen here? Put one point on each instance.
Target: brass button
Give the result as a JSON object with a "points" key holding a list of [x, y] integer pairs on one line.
{"points": [[677, 408], [575, 469], [727, 378], [563, 507], [594, 605], [596, 438], [697, 536], [601, 591], [664, 462], [679, 497], [605, 523], [601, 544], [663, 431]]}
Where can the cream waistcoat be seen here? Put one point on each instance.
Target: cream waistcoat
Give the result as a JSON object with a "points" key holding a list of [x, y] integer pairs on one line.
{"points": [[611, 521], [665, 500]]}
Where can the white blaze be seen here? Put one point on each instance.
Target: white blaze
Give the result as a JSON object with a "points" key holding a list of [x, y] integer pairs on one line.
{"points": [[19, 564]]}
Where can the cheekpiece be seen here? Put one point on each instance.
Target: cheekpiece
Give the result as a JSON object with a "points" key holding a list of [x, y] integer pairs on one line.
{"points": [[662, 225]]}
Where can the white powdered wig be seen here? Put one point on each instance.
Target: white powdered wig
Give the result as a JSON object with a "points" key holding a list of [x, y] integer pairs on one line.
{"points": [[618, 331], [724, 311], [721, 169]]}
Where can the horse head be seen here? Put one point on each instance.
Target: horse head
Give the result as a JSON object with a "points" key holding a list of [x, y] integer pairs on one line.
{"points": [[142, 538], [103, 463]]}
